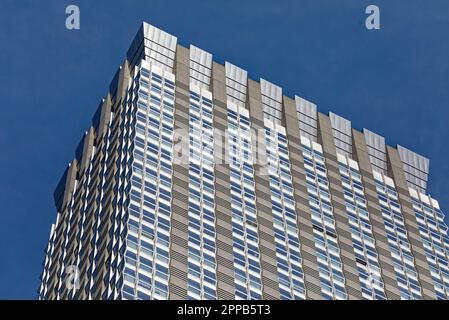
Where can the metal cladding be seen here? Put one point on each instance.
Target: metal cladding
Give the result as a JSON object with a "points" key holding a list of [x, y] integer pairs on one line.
{"points": [[299, 205]]}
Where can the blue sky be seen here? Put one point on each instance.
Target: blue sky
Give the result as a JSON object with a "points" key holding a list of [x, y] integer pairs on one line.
{"points": [[394, 81]]}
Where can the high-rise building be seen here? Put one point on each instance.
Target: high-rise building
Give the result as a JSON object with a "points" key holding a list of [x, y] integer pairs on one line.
{"points": [[196, 182]]}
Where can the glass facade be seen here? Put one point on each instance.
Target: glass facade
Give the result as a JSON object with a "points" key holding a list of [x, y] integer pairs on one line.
{"points": [[306, 207], [398, 242], [202, 262], [247, 269], [359, 222], [330, 267], [433, 233], [288, 255], [146, 269]]}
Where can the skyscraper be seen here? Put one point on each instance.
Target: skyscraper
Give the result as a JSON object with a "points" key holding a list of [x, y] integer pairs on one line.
{"points": [[197, 182]]}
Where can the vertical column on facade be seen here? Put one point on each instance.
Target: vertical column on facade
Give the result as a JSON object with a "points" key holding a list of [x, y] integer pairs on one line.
{"points": [[104, 217], [179, 229], [285, 227], [240, 150], [403, 261], [100, 251], [102, 211], [122, 130], [433, 233], [121, 153], [310, 266], [83, 154], [396, 171], [63, 233], [45, 276], [56, 267], [88, 239], [70, 233], [225, 270], [116, 166], [150, 117], [343, 233], [268, 262], [88, 155], [66, 259], [202, 204], [380, 236]]}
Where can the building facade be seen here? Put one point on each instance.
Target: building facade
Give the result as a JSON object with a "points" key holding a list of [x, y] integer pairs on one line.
{"points": [[197, 182]]}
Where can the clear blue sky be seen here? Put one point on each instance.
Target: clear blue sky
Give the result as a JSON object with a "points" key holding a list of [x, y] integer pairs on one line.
{"points": [[394, 82]]}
